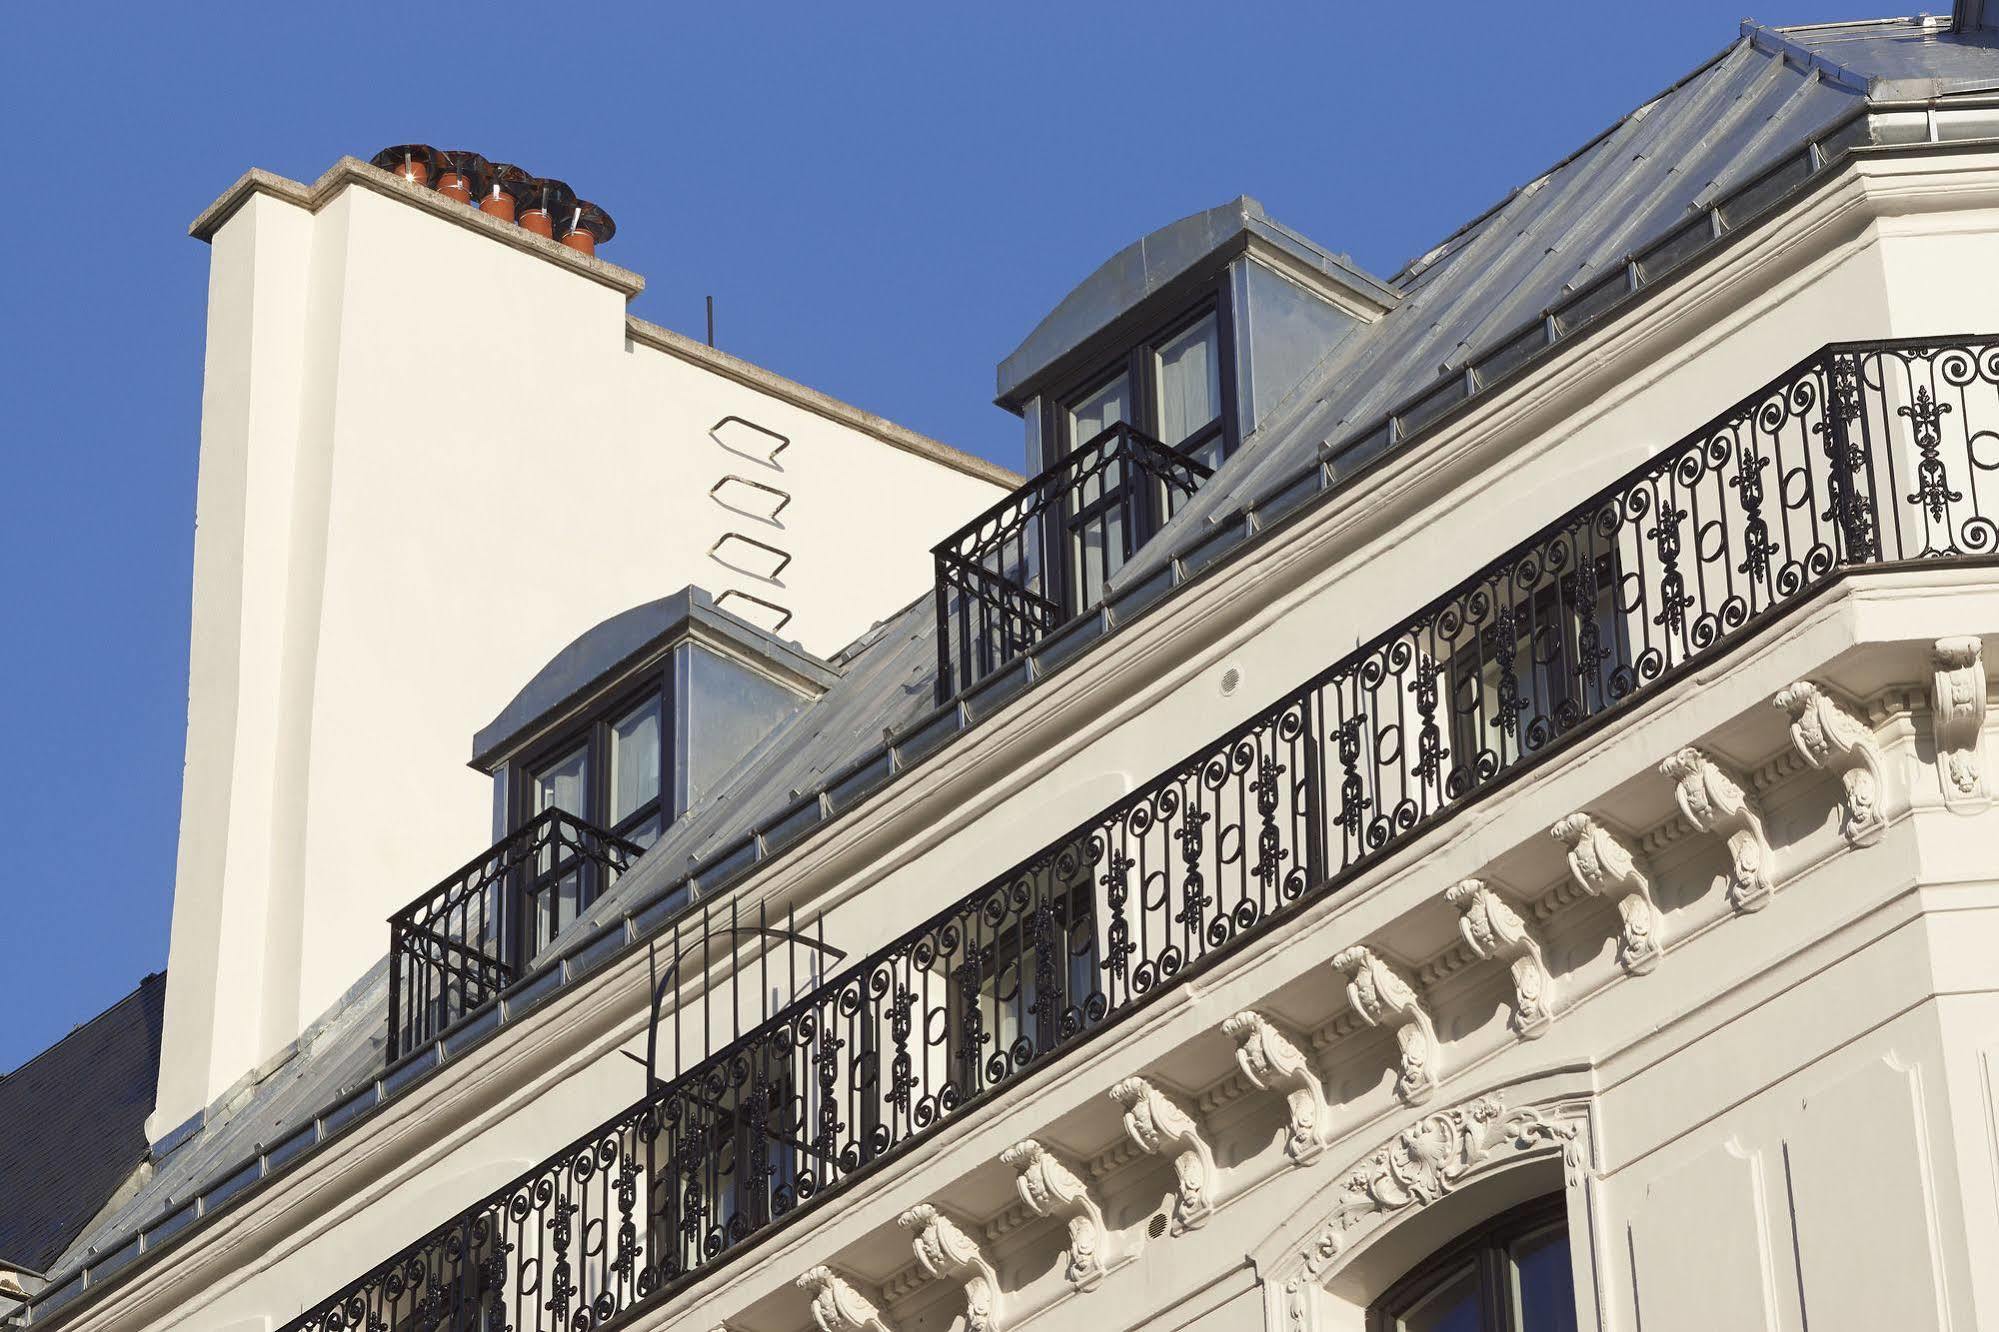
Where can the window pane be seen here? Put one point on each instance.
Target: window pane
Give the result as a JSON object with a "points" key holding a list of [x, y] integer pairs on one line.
{"points": [[634, 759], [564, 784], [1544, 1298], [1099, 411], [1190, 381], [1449, 1306], [644, 833], [1088, 419]]}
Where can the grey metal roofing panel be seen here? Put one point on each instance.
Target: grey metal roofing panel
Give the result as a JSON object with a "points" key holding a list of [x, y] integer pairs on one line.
{"points": [[1894, 58], [340, 1052], [1626, 188], [596, 652], [1154, 262]]}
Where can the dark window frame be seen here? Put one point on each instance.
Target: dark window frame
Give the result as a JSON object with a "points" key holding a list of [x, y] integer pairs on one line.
{"points": [[589, 730], [1485, 1248], [1136, 364]]}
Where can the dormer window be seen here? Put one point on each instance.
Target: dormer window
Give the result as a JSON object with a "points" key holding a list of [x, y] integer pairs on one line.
{"points": [[1170, 387], [605, 771], [1134, 390]]}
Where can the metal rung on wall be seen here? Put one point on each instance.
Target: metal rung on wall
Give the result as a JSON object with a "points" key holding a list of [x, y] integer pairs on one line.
{"points": [[777, 444]]}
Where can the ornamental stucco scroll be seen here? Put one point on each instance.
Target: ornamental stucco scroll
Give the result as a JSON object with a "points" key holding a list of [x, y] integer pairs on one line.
{"points": [[1714, 802], [1604, 867], [1493, 930], [1050, 1188], [1384, 999], [1831, 739], [1272, 1063], [1159, 1126], [1428, 1160]]}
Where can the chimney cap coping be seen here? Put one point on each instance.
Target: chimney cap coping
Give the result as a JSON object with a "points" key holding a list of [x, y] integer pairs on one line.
{"points": [[353, 171]]}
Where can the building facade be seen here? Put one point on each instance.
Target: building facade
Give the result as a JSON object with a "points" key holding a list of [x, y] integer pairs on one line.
{"points": [[1462, 799]]}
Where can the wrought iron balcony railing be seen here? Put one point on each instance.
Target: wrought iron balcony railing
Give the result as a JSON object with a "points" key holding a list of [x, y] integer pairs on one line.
{"points": [[1038, 558], [1862, 456], [459, 945]]}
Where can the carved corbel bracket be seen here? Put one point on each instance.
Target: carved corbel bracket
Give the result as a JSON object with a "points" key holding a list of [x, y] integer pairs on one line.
{"points": [[1050, 1188], [1957, 713], [1604, 867], [1158, 1126], [1715, 803], [1384, 999], [1494, 931], [947, 1253], [1273, 1064], [1832, 739], [837, 1306]]}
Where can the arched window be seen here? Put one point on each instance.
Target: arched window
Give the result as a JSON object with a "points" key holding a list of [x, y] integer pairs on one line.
{"points": [[1511, 1274]]}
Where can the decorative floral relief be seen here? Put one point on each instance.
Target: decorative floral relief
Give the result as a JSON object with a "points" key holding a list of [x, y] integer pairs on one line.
{"points": [[1427, 1160]]}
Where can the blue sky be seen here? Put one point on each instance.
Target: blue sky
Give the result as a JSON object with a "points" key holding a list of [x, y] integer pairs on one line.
{"points": [[881, 199]]}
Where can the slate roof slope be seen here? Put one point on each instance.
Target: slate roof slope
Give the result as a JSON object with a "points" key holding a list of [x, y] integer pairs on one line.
{"points": [[72, 1125], [1757, 100]]}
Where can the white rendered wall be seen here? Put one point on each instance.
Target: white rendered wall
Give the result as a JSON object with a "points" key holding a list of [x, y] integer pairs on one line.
{"points": [[429, 461]]}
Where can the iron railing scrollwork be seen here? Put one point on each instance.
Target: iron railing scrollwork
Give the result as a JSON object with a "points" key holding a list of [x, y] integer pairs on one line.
{"points": [[454, 949], [1863, 455], [1038, 558]]}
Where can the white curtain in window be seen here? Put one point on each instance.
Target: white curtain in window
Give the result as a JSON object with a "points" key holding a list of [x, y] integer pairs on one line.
{"points": [[634, 760], [1190, 381]]}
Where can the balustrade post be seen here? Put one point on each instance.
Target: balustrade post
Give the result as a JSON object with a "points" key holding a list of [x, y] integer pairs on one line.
{"points": [[944, 675], [1855, 512], [396, 942], [1317, 809]]}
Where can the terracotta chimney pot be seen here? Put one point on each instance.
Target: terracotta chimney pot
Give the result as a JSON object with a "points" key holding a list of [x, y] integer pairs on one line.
{"points": [[414, 162], [461, 173], [539, 200], [496, 190], [585, 226]]}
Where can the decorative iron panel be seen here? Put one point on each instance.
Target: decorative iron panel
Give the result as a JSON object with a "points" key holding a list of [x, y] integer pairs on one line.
{"points": [[1864, 455], [1035, 560]]}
